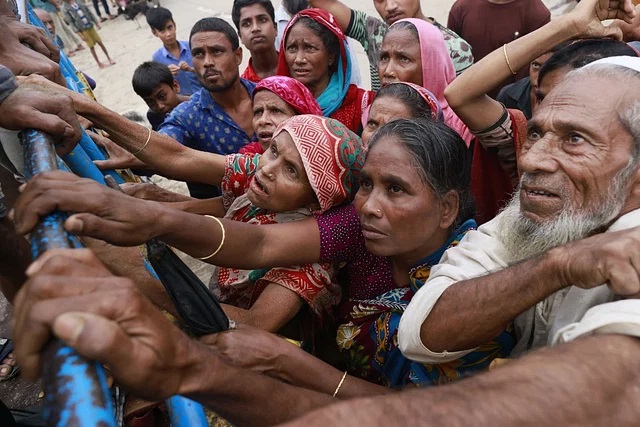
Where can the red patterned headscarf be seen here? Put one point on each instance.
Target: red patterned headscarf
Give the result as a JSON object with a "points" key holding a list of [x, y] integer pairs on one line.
{"points": [[332, 156], [292, 92]]}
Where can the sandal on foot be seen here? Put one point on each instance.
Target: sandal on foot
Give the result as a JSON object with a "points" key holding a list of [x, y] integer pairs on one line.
{"points": [[6, 348]]}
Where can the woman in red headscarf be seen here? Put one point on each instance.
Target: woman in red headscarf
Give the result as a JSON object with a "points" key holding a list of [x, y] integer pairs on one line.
{"points": [[314, 51], [275, 99]]}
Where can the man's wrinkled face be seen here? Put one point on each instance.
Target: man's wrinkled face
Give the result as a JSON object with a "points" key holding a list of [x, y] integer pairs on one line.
{"points": [[576, 145], [579, 169]]}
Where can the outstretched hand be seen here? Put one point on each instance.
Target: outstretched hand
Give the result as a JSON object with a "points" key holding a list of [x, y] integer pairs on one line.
{"points": [[35, 37], [103, 213], [28, 107], [71, 295]]}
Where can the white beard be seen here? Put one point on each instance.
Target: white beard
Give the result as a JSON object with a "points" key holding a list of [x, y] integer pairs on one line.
{"points": [[524, 238]]}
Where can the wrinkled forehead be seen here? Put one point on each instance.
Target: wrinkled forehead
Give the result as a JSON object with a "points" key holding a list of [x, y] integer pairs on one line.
{"points": [[588, 97]]}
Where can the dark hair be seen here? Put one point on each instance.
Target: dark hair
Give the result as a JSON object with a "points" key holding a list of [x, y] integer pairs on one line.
{"points": [[440, 156], [583, 52], [295, 6], [330, 40], [239, 4], [409, 97], [405, 25], [217, 25], [148, 76], [157, 17]]}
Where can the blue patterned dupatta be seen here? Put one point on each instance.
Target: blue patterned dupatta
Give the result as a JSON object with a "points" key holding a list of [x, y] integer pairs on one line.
{"points": [[369, 341]]}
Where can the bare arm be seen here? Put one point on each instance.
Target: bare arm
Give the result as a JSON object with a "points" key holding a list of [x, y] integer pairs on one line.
{"points": [[115, 217], [339, 10], [200, 206], [467, 93], [496, 299], [275, 306], [589, 382], [162, 153]]}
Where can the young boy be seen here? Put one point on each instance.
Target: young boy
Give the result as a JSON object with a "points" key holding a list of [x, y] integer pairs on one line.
{"points": [[154, 83], [82, 21], [255, 22], [174, 53]]}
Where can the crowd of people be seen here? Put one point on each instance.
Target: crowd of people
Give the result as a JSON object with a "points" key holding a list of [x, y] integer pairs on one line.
{"points": [[456, 245]]}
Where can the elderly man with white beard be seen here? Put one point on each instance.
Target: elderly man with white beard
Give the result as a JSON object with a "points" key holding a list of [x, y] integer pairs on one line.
{"points": [[563, 259]]}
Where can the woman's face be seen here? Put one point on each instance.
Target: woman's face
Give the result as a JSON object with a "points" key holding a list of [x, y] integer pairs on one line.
{"points": [[382, 111], [269, 110], [308, 58], [400, 58], [280, 183], [399, 214]]}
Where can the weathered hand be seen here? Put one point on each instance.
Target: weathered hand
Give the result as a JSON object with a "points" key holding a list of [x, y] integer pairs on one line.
{"points": [[71, 295], [119, 158], [24, 61], [28, 107], [103, 213], [153, 192], [607, 258], [251, 348], [588, 15], [35, 37]]}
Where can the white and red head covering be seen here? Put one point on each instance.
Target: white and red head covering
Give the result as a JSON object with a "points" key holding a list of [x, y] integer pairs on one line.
{"points": [[332, 156]]}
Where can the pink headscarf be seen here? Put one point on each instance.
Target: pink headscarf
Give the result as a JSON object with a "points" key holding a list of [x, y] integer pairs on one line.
{"points": [[292, 92], [437, 71]]}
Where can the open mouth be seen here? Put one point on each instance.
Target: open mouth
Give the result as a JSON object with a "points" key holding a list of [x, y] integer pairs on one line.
{"points": [[259, 187], [301, 73], [265, 136], [536, 192]]}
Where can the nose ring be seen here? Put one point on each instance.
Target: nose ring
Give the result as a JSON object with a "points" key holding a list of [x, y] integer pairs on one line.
{"points": [[270, 175], [379, 211]]}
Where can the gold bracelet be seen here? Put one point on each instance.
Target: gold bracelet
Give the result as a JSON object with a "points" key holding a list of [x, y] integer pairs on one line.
{"points": [[506, 58], [145, 144], [335, 393], [221, 241]]}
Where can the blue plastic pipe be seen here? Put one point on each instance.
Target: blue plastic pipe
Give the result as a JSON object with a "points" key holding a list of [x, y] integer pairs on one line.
{"points": [[76, 392]]}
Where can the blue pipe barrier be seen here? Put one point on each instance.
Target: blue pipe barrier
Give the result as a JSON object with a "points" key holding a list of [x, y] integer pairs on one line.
{"points": [[184, 412], [76, 392]]}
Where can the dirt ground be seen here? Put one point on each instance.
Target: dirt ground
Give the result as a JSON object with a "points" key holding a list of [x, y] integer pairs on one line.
{"points": [[130, 43]]}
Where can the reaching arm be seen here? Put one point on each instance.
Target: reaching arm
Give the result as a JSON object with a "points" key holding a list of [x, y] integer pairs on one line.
{"points": [[275, 306], [269, 354], [467, 93], [161, 152], [115, 217], [589, 382], [339, 10]]}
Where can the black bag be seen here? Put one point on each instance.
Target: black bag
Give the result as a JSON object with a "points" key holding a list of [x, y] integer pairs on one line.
{"points": [[198, 307]]}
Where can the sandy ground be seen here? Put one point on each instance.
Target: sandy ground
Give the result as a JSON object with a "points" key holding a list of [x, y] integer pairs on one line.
{"points": [[131, 43]]}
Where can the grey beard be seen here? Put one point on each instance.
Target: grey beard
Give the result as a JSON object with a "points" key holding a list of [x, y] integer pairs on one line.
{"points": [[524, 238]]}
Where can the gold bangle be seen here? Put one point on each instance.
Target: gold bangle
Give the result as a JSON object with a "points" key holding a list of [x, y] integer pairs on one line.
{"points": [[335, 393], [145, 144], [221, 241], [506, 59]]}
